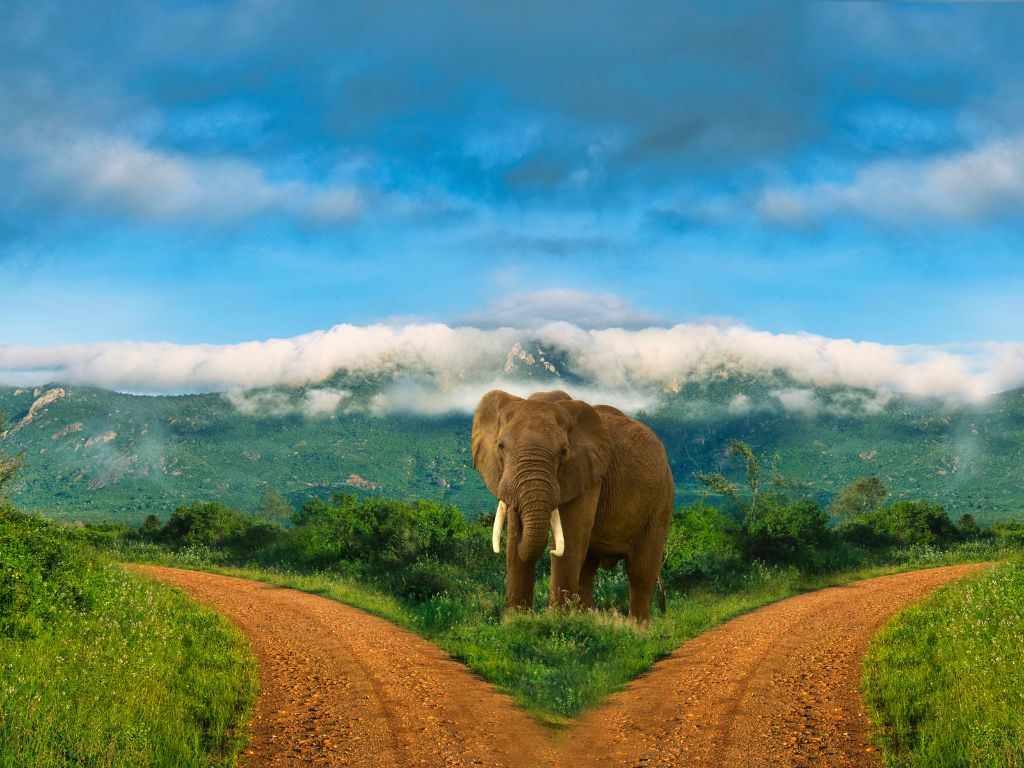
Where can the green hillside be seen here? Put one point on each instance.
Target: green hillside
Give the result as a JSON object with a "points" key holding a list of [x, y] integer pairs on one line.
{"points": [[93, 454]]}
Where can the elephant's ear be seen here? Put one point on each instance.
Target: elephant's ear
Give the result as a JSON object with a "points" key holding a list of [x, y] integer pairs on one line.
{"points": [[590, 450], [485, 435]]}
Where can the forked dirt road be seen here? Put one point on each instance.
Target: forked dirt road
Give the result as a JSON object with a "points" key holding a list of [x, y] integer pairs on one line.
{"points": [[775, 687]]}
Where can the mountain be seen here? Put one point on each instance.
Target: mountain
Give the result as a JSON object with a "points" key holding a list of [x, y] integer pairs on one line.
{"points": [[93, 454]]}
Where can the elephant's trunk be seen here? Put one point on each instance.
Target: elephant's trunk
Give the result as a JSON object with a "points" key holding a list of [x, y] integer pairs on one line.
{"points": [[535, 535], [529, 485]]}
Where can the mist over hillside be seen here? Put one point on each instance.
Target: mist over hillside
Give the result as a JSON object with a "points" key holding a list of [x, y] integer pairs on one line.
{"points": [[660, 359], [400, 426]]}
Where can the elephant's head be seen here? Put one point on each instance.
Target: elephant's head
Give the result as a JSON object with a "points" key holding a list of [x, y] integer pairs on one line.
{"points": [[535, 455]]}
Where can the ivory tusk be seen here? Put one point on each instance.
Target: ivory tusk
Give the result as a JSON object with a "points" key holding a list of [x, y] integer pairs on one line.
{"points": [[556, 530], [499, 522]]}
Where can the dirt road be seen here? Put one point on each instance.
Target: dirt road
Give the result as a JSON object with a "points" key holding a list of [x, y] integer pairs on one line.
{"points": [[775, 687]]}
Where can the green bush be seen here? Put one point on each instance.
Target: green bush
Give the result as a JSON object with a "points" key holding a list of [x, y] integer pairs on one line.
{"points": [[785, 531], [381, 534], [702, 546], [1010, 533], [208, 523], [904, 523], [43, 573]]}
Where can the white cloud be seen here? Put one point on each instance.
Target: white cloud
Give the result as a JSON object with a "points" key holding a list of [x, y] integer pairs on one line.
{"points": [[426, 398], [324, 402], [797, 400], [580, 308], [314, 402], [740, 405], [96, 170], [265, 403], [456, 365], [979, 183]]}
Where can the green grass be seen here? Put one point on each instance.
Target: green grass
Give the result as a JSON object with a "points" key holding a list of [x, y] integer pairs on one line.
{"points": [[557, 665], [121, 671], [945, 679]]}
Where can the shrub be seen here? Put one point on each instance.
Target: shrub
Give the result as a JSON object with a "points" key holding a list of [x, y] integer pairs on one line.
{"points": [[702, 545], [43, 573], [863, 495], [1011, 533], [785, 531], [150, 528], [208, 523], [211, 524], [377, 535], [903, 523], [968, 525]]}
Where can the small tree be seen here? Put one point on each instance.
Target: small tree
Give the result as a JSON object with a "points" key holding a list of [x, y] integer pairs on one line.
{"points": [[150, 527], [274, 508], [863, 495], [968, 525], [753, 466], [778, 525]]}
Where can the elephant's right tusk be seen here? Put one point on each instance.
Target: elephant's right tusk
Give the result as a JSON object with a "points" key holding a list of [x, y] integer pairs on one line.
{"points": [[499, 523], [556, 530]]}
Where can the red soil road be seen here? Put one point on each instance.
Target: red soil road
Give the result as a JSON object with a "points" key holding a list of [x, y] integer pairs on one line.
{"points": [[775, 687]]}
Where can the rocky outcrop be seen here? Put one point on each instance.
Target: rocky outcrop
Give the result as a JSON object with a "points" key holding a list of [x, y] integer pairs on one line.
{"points": [[358, 482], [106, 437], [518, 356], [37, 408], [76, 427]]}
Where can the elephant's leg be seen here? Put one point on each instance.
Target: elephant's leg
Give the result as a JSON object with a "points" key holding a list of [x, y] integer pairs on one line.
{"points": [[577, 522], [643, 566], [565, 579], [590, 565], [520, 577], [641, 591]]}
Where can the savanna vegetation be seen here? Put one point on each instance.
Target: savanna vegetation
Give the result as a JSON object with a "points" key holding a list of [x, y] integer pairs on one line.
{"points": [[945, 679], [755, 536], [102, 668], [95, 455]]}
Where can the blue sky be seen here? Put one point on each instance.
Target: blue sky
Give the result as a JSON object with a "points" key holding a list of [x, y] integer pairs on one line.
{"points": [[216, 172]]}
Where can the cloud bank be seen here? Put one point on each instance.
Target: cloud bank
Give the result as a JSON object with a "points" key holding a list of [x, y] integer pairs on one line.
{"points": [[434, 368]]}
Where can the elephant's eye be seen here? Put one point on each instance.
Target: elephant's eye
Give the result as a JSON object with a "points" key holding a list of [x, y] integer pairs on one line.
{"points": [[565, 451], [501, 445]]}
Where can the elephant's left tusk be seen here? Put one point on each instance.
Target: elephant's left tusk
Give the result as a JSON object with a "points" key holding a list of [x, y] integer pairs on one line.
{"points": [[556, 530], [499, 523]]}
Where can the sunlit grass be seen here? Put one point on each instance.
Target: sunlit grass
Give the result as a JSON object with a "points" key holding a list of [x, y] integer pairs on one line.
{"points": [[945, 679], [144, 677]]}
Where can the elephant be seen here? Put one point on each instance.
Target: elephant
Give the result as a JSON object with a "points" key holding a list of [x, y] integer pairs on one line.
{"points": [[600, 479]]}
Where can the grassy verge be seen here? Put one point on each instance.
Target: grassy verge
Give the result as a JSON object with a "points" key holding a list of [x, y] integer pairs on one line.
{"points": [[101, 668], [556, 665], [945, 679]]}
